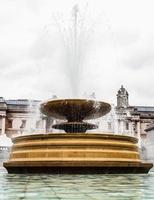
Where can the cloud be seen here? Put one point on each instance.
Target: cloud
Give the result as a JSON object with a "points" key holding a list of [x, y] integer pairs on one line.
{"points": [[141, 54], [119, 50]]}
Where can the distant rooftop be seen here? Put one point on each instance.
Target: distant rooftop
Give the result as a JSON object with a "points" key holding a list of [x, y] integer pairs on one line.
{"points": [[150, 127], [144, 108], [21, 102]]}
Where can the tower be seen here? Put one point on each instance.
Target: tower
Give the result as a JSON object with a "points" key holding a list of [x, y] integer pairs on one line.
{"points": [[122, 98]]}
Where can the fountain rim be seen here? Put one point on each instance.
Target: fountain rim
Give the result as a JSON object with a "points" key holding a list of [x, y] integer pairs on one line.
{"points": [[77, 135], [74, 99]]}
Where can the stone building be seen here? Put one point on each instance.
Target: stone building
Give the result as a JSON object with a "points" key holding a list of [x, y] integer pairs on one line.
{"points": [[132, 120], [150, 142], [19, 116]]}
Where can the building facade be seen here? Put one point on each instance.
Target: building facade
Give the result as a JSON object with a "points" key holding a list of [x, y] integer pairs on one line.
{"points": [[150, 142], [132, 120], [21, 116]]}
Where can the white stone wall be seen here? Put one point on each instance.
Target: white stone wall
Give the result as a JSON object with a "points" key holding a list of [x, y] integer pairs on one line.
{"points": [[16, 123], [150, 145], [0, 123]]}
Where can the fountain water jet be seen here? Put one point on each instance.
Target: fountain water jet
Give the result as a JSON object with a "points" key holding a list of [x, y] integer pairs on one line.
{"points": [[75, 33]]}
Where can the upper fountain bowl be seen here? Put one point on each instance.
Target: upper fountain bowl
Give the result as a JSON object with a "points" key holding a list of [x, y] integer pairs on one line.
{"points": [[75, 110]]}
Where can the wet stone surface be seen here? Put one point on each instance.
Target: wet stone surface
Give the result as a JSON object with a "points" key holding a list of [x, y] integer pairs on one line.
{"points": [[75, 187]]}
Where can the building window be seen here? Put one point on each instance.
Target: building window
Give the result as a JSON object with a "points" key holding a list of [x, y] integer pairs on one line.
{"points": [[23, 124], [37, 124], [127, 126], [10, 123], [109, 126]]}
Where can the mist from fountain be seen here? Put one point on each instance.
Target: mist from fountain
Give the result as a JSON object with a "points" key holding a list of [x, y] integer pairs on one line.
{"points": [[33, 118]]}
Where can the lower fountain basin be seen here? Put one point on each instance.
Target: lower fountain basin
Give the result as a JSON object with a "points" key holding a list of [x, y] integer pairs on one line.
{"points": [[75, 127], [75, 153]]}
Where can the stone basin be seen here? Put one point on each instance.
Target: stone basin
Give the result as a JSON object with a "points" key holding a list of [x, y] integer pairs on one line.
{"points": [[76, 153], [75, 109]]}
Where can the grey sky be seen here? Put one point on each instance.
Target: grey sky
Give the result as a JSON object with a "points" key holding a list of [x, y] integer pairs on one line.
{"points": [[120, 49]]}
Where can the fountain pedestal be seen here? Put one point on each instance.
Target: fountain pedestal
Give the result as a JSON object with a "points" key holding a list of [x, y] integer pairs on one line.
{"points": [[75, 152]]}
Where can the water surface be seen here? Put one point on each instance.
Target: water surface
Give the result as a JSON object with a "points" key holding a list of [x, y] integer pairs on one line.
{"points": [[75, 187]]}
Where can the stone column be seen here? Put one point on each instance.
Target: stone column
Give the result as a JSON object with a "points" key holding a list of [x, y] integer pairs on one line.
{"points": [[122, 127], [116, 126], [3, 125], [133, 127], [119, 126], [139, 133], [130, 128]]}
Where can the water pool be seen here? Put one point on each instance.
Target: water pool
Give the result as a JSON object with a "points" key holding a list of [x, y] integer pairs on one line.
{"points": [[75, 187]]}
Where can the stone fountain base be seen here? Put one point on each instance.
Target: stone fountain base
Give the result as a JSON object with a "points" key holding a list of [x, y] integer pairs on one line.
{"points": [[61, 168], [76, 153]]}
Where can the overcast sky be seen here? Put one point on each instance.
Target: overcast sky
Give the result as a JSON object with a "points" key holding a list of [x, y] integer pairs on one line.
{"points": [[119, 49]]}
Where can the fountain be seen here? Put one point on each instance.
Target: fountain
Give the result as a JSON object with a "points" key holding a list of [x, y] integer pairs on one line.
{"points": [[75, 151], [75, 111]]}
